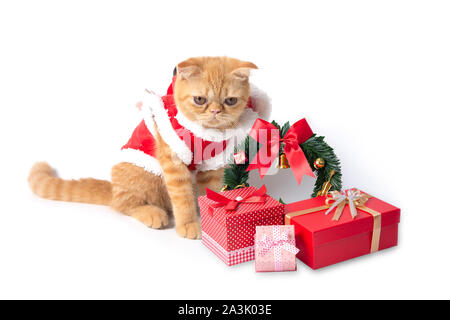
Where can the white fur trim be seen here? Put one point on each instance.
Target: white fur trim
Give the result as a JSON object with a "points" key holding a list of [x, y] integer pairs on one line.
{"points": [[220, 160], [235, 137], [246, 121], [141, 159], [154, 112], [261, 102]]}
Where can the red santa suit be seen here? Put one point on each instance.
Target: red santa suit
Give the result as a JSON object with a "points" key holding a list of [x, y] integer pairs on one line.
{"points": [[199, 148]]}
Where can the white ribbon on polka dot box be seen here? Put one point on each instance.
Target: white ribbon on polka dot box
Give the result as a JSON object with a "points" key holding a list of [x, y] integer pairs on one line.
{"points": [[231, 234]]}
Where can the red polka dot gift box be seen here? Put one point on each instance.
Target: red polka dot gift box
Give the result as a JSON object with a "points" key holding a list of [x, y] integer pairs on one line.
{"points": [[229, 220]]}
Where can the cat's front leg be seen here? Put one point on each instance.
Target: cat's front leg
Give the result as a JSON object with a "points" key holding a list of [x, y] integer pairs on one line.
{"points": [[211, 179], [178, 181]]}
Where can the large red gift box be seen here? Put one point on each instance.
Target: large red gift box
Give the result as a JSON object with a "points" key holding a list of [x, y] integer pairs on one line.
{"points": [[230, 234], [323, 241]]}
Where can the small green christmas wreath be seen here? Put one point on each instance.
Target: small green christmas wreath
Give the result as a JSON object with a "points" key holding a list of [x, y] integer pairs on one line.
{"points": [[321, 158]]}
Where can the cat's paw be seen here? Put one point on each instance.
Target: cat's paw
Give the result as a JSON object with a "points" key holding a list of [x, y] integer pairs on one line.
{"points": [[152, 216], [190, 230], [157, 219]]}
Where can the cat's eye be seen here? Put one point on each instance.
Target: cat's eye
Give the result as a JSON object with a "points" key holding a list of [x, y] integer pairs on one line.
{"points": [[198, 100], [230, 101]]}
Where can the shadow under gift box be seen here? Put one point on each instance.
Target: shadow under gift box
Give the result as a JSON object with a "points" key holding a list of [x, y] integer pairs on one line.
{"points": [[323, 241], [231, 234]]}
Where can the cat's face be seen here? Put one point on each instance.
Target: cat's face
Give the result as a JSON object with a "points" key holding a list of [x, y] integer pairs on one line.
{"points": [[213, 91]]}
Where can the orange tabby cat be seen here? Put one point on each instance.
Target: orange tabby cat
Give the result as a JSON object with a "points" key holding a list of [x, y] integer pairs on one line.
{"points": [[212, 103]]}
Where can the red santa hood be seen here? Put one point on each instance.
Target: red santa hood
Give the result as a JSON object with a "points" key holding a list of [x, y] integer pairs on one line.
{"points": [[162, 111]]}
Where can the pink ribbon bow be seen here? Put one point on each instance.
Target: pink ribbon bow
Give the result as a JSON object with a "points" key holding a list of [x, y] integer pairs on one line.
{"points": [[282, 242], [259, 196], [278, 242]]}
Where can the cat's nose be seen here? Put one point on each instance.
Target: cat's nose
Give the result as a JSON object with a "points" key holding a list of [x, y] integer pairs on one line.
{"points": [[215, 111]]}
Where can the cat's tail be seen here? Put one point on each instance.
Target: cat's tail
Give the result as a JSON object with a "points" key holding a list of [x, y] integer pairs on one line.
{"points": [[44, 183]]}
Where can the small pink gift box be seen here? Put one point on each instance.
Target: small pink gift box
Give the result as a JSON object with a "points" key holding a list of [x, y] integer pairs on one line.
{"points": [[275, 248]]}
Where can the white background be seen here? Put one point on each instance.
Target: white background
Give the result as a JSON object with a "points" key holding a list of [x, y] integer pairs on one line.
{"points": [[371, 76]]}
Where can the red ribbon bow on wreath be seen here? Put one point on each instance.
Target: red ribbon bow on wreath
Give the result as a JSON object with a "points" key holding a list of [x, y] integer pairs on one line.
{"points": [[259, 196], [269, 136]]}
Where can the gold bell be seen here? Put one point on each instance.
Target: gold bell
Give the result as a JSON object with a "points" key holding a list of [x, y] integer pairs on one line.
{"points": [[282, 161], [326, 186]]}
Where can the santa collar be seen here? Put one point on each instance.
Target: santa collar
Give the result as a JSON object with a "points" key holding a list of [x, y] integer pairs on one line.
{"points": [[173, 126]]}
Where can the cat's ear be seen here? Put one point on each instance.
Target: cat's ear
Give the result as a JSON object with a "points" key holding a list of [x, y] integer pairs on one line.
{"points": [[242, 71], [188, 68]]}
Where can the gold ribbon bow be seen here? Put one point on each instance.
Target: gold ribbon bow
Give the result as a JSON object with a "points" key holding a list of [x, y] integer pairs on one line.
{"points": [[353, 197]]}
